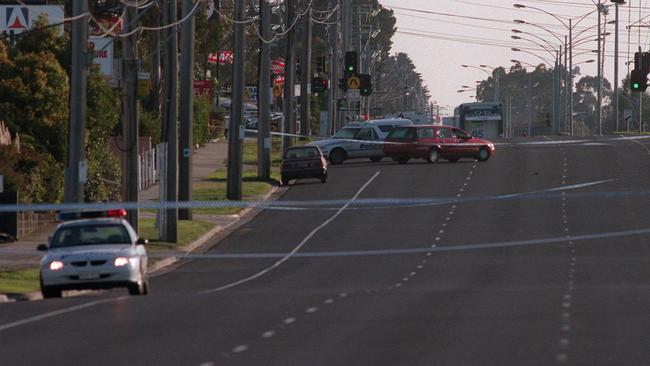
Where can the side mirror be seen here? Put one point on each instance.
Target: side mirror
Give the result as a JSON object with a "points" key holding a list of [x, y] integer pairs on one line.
{"points": [[142, 241], [42, 248]]}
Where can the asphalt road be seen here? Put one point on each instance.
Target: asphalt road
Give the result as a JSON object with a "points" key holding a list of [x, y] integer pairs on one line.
{"points": [[469, 283]]}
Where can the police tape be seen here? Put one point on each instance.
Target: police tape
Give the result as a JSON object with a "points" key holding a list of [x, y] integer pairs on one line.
{"points": [[358, 204], [374, 252]]}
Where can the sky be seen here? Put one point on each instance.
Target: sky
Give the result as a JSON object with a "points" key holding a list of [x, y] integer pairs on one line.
{"points": [[441, 44]]}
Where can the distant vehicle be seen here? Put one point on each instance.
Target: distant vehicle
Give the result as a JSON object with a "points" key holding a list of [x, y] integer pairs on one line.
{"points": [[481, 120], [303, 162], [433, 142], [359, 140], [94, 250]]}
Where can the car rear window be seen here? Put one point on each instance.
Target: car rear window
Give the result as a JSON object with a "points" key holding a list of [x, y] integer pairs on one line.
{"points": [[386, 128], [402, 133], [303, 152], [90, 235]]}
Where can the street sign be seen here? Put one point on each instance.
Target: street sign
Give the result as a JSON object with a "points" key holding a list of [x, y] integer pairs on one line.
{"points": [[627, 114], [277, 90], [354, 95], [354, 82]]}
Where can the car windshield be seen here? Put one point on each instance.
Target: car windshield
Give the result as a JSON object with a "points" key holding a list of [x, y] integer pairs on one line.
{"points": [[346, 133], [302, 152], [90, 235]]}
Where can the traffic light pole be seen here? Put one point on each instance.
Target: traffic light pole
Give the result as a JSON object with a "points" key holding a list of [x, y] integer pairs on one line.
{"points": [[333, 32], [305, 75]]}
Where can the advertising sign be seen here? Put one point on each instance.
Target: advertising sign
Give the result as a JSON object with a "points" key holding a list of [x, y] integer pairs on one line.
{"points": [[15, 19], [103, 54]]}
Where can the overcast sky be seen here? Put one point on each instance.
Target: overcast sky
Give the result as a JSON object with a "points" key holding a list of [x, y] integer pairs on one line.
{"points": [[443, 44]]}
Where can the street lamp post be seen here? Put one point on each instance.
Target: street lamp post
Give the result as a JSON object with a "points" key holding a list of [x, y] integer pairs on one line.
{"points": [[495, 75]]}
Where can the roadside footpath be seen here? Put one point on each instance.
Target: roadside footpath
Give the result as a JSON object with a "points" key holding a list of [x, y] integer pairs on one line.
{"points": [[19, 261]]}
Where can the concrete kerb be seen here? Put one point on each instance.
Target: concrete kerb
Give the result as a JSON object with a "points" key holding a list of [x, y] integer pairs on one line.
{"points": [[163, 266]]}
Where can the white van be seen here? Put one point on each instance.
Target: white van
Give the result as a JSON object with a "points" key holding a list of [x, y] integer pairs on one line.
{"points": [[359, 140]]}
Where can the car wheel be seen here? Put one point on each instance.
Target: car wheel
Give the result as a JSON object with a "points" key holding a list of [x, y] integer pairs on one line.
{"points": [[433, 155], [50, 292], [452, 160], [376, 159], [402, 160], [337, 156], [139, 288], [483, 154]]}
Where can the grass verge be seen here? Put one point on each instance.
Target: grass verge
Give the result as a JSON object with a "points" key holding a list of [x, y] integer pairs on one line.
{"points": [[25, 280], [188, 231]]}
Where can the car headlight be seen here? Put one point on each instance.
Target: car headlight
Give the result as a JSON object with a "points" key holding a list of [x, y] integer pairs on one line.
{"points": [[121, 261], [56, 265]]}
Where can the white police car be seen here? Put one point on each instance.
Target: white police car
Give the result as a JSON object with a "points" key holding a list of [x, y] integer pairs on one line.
{"points": [[359, 140], [95, 250]]}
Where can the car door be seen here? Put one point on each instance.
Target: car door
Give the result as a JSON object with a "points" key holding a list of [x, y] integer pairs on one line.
{"points": [[425, 140], [466, 149], [448, 143], [364, 143]]}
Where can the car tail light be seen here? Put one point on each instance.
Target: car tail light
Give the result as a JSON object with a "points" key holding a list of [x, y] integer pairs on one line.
{"points": [[56, 265], [121, 261]]}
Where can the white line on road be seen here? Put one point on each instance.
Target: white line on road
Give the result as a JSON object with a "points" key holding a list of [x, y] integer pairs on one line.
{"points": [[298, 247], [57, 312]]}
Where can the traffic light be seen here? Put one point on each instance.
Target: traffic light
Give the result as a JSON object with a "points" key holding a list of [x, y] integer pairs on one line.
{"points": [[321, 65], [351, 63], [366, 85], [319, 85], [639, 76], [343, 84], [297, 68]]}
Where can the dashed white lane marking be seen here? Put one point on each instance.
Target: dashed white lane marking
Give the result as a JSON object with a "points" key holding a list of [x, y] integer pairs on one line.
{"points": [[343, 294], [289, 320], [207, 364], [311, 310], [561, 357], [268, 334], [420, 266], [299, 246], [329, 301], [437, 238], [239, 349], [413, 273]]}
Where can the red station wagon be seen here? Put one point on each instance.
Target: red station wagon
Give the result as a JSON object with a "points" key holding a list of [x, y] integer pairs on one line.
{"points": [[433, 142]]}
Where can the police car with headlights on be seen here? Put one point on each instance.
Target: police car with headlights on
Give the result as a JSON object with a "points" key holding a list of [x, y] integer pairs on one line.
{"points": [[94, 250]]}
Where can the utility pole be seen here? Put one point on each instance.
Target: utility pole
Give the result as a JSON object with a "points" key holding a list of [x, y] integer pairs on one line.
{"points": [[130, 140], [236, 133], [75, 172], [170, 113], [570, 77], [600, 83], [565, 100], [333, 33], [305, 74], [616, 106], [530, 104], [264, 100], [187, 108], [289, 76]]}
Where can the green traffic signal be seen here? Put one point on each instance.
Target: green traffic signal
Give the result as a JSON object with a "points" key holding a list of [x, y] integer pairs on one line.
{"points": [[636, 86]]}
